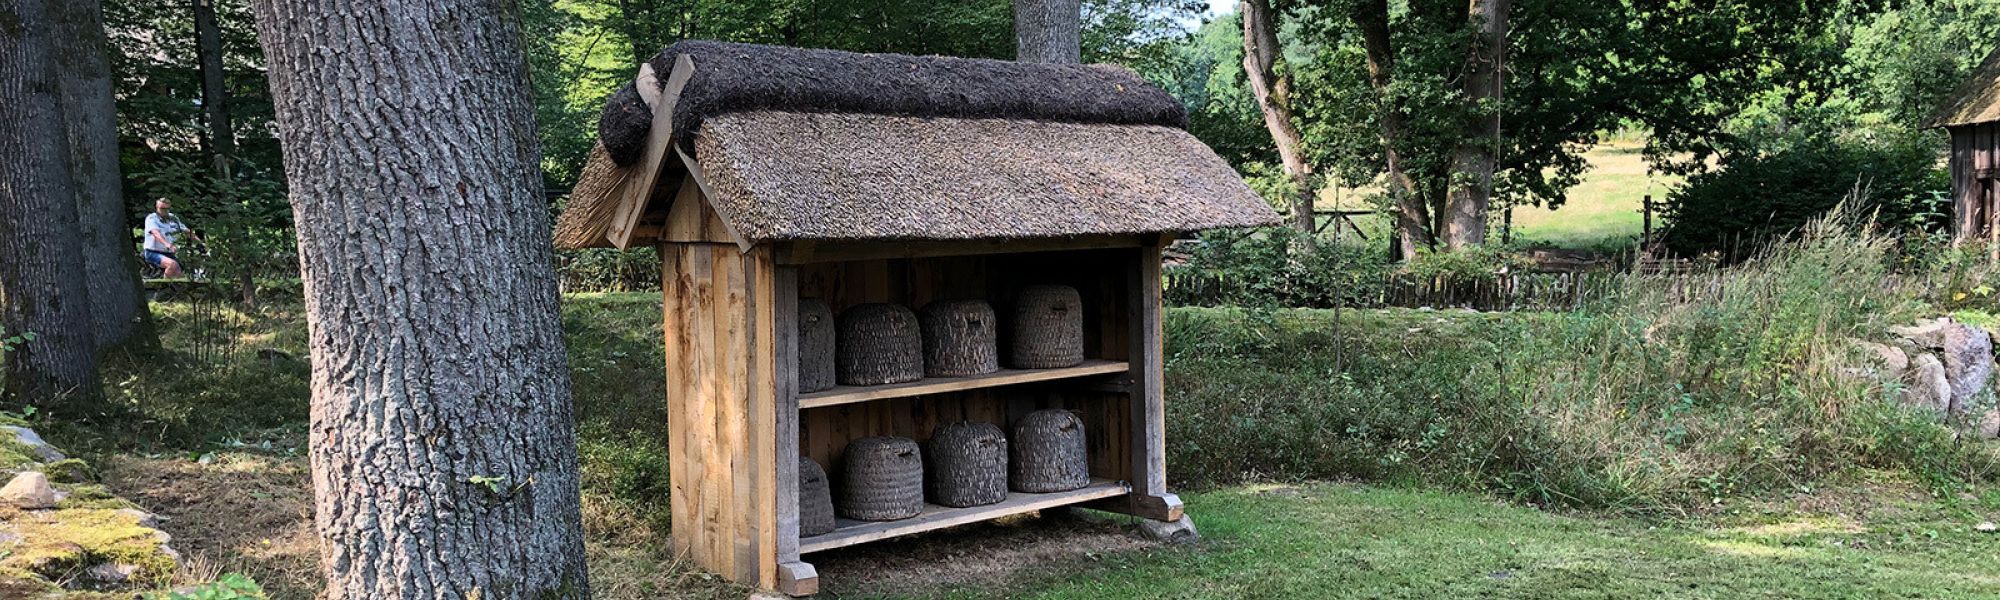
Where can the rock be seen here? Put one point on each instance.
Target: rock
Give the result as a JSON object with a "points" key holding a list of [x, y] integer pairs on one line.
{"points": [[111, 573], [1989, 425], [1968, 364], [1925, 335], [1893, 359], [29, 490], [1986, 527], [1929, 386], [44, 452], [143, 518], [1176, 532]]}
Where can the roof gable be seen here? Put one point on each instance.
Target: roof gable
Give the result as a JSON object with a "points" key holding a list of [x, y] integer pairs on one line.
{"points": [[1975, 101]]}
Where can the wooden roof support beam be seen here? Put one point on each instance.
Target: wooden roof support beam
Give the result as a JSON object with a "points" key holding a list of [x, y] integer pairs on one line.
{"points": [[637, 189], [708, 196]]}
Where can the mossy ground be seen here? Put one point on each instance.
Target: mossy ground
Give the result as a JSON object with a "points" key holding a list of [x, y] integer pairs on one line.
{"points": [[58, 543]]}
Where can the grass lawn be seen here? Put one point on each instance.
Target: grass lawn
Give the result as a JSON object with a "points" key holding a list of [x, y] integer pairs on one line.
{"points": [[1602, 212], [218, 450], [1351, 541]]}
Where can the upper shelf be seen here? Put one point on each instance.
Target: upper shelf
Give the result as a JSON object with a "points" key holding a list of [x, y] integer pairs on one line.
{"points": [[842, 394]]}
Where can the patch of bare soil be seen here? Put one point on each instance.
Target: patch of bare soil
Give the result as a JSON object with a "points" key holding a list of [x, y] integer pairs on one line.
{"points": [[240, 512], [982, 556]]}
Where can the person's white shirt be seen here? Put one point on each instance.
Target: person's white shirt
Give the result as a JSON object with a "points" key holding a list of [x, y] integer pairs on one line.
{"points": [[166, 228]]}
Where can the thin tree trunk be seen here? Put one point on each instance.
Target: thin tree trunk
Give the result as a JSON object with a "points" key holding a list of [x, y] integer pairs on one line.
{"points": [[1413, 218], [214, 92], [1272, 88], [215, 111], [118, 312], [443, 443], [1471, 182], [1048, 31], [631, 22], [41, 262]]}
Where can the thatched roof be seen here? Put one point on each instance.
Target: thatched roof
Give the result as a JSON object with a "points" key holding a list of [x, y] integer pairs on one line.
{"points": [[797, 176], [749, 77], [1975, 101], [821, 145]]}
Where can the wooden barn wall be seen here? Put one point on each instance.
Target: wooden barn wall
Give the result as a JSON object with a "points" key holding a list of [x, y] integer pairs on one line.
{"points": [[1100, 278], [1974, 149], [721, 392]]}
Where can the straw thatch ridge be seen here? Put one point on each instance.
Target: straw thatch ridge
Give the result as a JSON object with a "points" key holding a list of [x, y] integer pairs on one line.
{"points": [[790, 176], [732, 78], [622, 127], [1975, 101]]}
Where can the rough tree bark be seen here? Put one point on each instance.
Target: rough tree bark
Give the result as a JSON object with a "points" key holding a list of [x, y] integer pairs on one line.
{"points": [[1272, 89], [443, 444], [1048, 31], [1413, 218], [1472, 165], [41, 264], [118, 312]]}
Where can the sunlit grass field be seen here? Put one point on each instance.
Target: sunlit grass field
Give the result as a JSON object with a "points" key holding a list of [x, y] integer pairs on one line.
{"points": [[1601, 213]]}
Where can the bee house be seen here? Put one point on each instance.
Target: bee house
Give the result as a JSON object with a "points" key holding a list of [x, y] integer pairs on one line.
{"points": [[773, 178]]}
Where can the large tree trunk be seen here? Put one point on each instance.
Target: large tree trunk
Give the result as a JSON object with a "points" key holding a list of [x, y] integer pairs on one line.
{"points": [[443, 443], [1272, 88], [1048, 31], [41, 264], [118, 312], [1413, 219], [1472, 166]]}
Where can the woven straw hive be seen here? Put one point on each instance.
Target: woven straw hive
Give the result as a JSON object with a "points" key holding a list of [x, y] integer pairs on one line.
{"points": [[959, 338], [815, 499], [1048, 328], [1049, 453], [965, 464], [883, 480], [816, 351], [878, 344]]}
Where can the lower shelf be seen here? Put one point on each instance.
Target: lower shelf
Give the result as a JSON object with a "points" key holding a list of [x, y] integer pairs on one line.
{"points": [[849, 532]]}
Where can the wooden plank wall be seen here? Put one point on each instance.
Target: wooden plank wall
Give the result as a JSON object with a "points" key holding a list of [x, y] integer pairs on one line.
{"points": [[1099, 276], [721, 388], [1974, 149]]}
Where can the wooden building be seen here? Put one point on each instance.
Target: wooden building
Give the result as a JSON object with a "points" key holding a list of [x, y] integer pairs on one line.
{"points": [[1972, 115], [765, 175]]}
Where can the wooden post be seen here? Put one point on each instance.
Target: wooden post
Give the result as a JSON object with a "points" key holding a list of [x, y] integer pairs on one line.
{"points": [[1148, 472], [1646, 207]]}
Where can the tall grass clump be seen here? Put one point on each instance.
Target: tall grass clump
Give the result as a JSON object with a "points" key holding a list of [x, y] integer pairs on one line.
{"points": [[1669, 394]]}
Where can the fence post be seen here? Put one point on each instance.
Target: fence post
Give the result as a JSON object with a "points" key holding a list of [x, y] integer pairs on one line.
{"points": [[1646, 207]]}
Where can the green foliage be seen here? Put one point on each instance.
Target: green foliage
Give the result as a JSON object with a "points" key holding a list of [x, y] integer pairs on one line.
{"points": [[608, 270], [9, 343], [1756, 199], [1664, 397], [230, 586], [1272, 268]]}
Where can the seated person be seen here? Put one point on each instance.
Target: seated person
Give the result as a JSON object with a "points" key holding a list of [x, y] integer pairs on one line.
{"points": [[161, 228]]}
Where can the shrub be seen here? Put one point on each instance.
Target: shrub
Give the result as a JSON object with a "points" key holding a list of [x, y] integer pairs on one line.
{"points": [[1753, 200], [608, 270], [1663, 397]]}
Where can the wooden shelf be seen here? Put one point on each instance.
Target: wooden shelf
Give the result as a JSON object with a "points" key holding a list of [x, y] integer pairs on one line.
{"points": [[849, 394], [849, 532]]}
